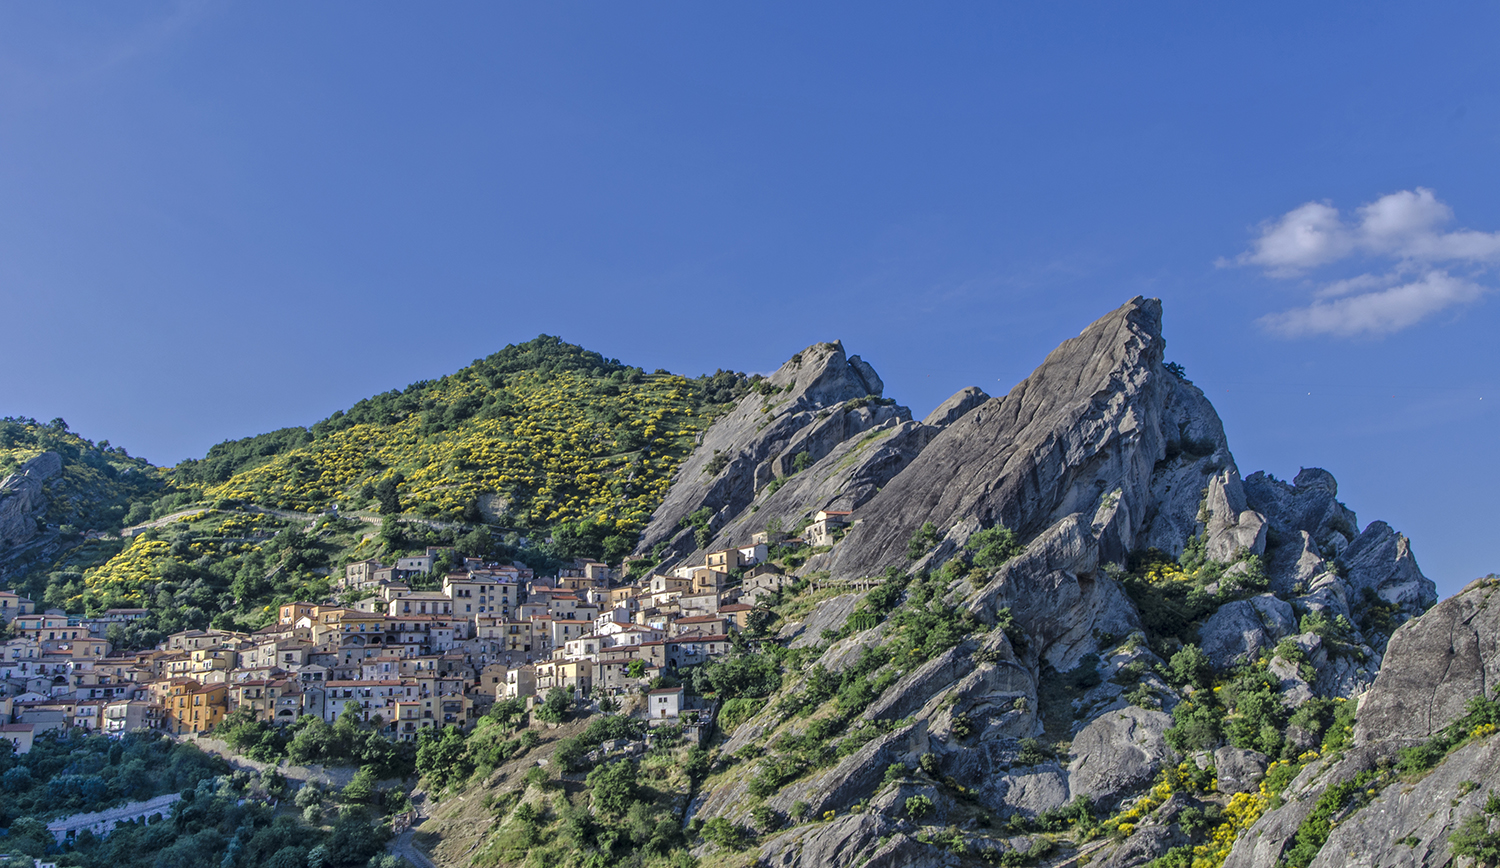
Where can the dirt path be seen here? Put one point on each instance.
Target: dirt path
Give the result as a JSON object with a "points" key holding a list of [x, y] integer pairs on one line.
{"points": [[160, 522], [404, 846]]}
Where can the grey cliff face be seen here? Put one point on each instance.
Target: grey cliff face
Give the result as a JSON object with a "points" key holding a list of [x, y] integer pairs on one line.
{"points": [[23, 498], [1102, 452]]}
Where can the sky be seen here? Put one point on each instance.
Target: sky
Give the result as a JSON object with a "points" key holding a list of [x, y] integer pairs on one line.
{"points": [[217, 218]]}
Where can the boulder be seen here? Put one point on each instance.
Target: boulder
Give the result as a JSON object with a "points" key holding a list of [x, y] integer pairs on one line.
{"points": [[915, 688], [1410, 824], [1117, 753], [848, 650], [1146, 844], [830, 614], [904, 851], [866, 374], [848, 840], [1239, 771], [855, 777], [989, 770], [1239, 630], [1433, 666]]}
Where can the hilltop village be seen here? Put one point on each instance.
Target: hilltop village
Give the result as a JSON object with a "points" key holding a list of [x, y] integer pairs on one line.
{"points": [[404, 660]]}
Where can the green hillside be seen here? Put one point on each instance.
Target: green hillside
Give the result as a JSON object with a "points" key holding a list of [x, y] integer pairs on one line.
{"points": [[548, 450], [100, 484]]}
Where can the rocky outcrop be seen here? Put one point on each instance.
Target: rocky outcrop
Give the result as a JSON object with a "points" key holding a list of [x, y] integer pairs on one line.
{"points": [[1311, 528], [1380, 560], [827, 615], [1434, 666], [1239, 771], [1233, 527], [811, 404], [849, 475], [1103, 452], [819, 429], [23, 498], [849, 840], [1056, 592], [950, 410], [1410, 825]]}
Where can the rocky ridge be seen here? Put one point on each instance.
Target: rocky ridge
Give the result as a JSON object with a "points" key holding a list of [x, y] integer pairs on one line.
{"points": [[1102, 454]]}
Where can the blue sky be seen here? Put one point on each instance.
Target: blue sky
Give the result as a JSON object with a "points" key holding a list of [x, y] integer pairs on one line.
{"points": [[221, 218]]}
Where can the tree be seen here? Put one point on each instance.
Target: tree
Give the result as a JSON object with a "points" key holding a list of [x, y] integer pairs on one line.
{"points": [[387, 491], [994, 546], [362, 787], [612, 787], [555, 707], [477, 543], [443, 756], [1474, 839]]}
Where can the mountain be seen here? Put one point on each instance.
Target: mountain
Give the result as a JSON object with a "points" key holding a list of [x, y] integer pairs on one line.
{"points": [[1059, 627], [1085, 622]]}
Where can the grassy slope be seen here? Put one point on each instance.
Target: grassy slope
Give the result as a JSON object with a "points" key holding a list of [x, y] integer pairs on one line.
{"points": [[539, 437]]}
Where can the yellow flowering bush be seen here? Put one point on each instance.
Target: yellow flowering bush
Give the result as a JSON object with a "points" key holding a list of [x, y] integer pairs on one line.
{"points": [[572, 447]]}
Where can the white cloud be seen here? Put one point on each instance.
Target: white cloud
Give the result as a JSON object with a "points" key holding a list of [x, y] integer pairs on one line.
{"points": [[1375, 313], [1405, 229], [1305, 237]]}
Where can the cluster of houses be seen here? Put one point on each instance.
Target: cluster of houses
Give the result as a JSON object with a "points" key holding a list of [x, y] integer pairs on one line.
{"points": [[402, 659]]}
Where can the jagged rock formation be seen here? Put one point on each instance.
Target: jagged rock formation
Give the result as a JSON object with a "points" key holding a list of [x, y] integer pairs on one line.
{"points": [[1102, 452], [815, 435], [1434, 666], [23, 498], [1081, 435], [812, 404]]}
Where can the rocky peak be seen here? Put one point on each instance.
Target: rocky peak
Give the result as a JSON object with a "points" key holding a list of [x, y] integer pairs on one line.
{"points": [[794, 419], [1086, 429]]}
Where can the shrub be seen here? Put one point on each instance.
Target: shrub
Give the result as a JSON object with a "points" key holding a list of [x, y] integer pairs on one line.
{"points": [[1033, 752], [555, 707], [919, 806], [767, 819], [922, 541], [612, 787], [725, 834], [1190, 666], [994, 546]]}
